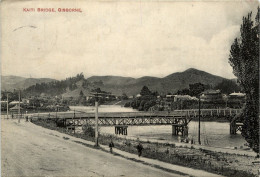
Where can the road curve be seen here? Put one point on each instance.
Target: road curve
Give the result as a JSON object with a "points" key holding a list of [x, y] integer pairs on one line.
{"points": [[30, 150]]}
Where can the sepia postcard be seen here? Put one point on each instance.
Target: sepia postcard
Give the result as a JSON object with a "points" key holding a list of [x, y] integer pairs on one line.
{"points": [[129, 88]]}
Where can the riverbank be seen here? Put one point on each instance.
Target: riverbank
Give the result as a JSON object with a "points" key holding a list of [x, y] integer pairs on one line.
{"points": [[238, 165]]}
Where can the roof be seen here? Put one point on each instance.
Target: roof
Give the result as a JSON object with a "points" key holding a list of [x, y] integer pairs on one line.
{"points": [[211, 92], [237, 94], [16, 107], [15, 102]]}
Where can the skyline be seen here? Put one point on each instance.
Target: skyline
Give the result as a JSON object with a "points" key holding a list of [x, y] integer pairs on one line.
{"points": [[129, 39], [86, 77]]}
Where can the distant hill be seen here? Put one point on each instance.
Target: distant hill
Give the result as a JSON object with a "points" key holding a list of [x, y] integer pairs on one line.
{"points": [[170, 83], [10, 83], [117, 85]]}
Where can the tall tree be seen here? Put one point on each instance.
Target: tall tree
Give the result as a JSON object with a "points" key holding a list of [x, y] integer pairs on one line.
{"points": [[244, 58], [196, 89], [145, 91]]}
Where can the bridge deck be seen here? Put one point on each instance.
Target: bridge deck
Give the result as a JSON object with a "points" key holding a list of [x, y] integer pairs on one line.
{"points": [[178, 117]]}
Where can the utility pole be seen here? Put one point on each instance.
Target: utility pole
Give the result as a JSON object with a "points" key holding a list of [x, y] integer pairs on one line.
{"points": [[74, 122], [19, 110], [199, 123], [96, 121], [7, 107]]}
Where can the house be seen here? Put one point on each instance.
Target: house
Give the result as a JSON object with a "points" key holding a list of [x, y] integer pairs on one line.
{"points": [[15, 103], [170, 98], [183, 97], [237, 97], [25, 101], [138, 95], [211, 96]]}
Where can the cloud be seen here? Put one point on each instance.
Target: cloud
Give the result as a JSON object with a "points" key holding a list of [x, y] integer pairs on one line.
{"points": [[121, 38]]}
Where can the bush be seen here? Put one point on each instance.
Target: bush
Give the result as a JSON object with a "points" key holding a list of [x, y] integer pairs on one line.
{"points": [[88, 130]]}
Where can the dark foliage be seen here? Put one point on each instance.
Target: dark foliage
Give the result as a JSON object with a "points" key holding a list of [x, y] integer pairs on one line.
{"points": [[54, 88], [145, 102], [145, 91], [228, 86], [244, 58], [193, 90], [88, 130]]}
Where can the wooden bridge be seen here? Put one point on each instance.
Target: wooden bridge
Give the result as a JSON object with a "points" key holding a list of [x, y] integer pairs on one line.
{"points": [[179, 119]]}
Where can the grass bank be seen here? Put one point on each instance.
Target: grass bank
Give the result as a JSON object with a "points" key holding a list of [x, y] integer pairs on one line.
{"points": [[214, 162]]}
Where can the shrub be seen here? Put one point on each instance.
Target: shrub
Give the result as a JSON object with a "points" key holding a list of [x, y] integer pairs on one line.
{"points": [[88, 130]]}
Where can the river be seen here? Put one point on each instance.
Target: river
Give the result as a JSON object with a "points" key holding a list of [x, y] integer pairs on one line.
{"points": [[214, 134]]}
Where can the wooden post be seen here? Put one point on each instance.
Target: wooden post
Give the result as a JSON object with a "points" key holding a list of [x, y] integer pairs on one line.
{"points": [[19, 111], [173, 130], [96, 123], [7, 107], [74, 122], [233, 128], [199, 123]]}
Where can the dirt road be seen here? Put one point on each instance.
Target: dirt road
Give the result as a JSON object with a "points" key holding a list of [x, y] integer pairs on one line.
{"points": [[30, 150]]}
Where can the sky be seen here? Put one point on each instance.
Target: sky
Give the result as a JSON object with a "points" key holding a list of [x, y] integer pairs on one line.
{"points": [[120, 38]]}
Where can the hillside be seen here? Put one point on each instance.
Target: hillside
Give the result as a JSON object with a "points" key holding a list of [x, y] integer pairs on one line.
{"points": [[170, 83], [71, 87], [15, 82]]}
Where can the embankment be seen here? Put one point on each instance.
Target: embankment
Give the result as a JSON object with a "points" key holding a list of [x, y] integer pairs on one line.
{"points": [[216, 162]]}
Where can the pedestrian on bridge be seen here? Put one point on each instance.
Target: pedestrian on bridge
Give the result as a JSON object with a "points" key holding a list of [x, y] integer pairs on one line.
{"points": [[139, 149]]}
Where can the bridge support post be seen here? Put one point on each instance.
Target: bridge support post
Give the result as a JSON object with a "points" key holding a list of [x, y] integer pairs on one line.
{"points": [[233, 128], [121, 130], [185, 131], [176, 129]]}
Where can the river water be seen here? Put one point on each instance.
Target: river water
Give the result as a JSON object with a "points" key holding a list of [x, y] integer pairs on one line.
{"points": [[214, 134]]}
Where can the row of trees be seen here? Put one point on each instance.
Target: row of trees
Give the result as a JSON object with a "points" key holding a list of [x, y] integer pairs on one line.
{"points": [[226, 86], [145, 101], [55, 87]]}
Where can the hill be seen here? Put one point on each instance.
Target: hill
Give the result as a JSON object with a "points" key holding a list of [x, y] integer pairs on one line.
{"points": [[117, 85], [9, 83], [171, 83]]}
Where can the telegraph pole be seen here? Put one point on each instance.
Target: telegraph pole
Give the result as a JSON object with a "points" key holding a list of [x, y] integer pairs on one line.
{"points": [[19, 110], [199, 123], [7, 107], [96, 121]]}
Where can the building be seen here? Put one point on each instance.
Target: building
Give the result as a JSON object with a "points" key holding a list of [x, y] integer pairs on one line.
{"points": [[237, 97], [211, 96], [183, 98]]}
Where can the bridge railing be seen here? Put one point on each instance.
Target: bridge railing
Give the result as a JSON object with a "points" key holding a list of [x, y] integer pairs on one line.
{"points": [[210, 112], [175, 113]]}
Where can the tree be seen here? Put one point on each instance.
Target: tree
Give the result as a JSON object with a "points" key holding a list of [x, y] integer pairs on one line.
{"points": [[145, 91], [124, 96], [81, 94], [244, 58], [196, 89], [228, 86]]}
